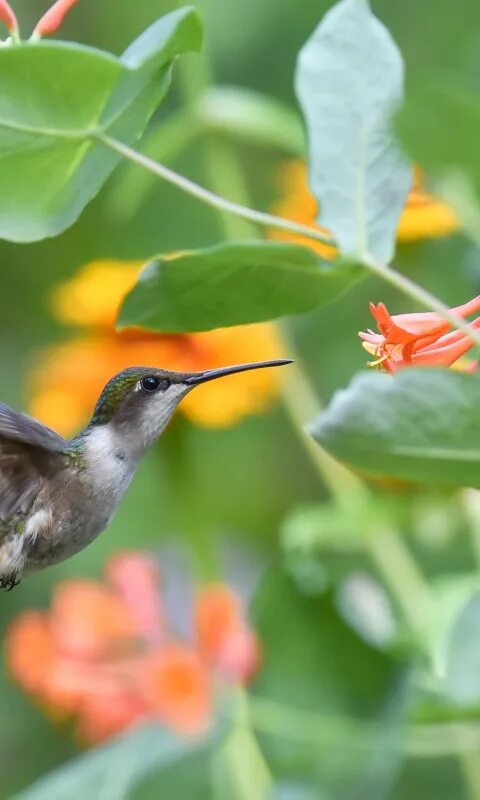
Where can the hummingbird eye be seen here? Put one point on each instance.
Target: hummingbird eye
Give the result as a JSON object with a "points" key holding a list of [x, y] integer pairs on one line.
{"points": [[150, 383]]}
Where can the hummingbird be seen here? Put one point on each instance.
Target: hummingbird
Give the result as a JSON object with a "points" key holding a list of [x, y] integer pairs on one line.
{"points": [[56, 494]]}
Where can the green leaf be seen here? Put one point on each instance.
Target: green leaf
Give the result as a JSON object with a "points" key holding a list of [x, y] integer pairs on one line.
{"points": [[418, 425], [239, 770], [188, 777], [323, 694], [462, 681], [114, 769], [450, 594], [54, 97], [349, 80], [252, 117], [233, 284]]}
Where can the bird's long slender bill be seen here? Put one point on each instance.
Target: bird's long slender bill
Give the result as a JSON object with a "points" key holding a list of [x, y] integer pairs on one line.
{"points": [[213, 374]]}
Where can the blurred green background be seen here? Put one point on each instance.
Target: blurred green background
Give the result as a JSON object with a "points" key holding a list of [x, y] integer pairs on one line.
{"points": [[259, 465]]}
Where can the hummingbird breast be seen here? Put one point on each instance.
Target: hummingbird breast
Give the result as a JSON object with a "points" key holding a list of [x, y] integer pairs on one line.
{"points": [[81, 501]]}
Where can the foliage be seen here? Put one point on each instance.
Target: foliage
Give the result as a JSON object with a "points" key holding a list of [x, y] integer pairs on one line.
{"points": [[361, 678], [232, 284], [359, 178], [407, 434], [69, 95]]}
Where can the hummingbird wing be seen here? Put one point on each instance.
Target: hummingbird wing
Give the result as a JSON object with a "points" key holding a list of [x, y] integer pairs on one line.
{"points": [[29, 453]]}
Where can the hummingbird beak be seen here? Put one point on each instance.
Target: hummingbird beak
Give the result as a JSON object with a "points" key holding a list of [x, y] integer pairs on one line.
{"points": [[212, 374]]}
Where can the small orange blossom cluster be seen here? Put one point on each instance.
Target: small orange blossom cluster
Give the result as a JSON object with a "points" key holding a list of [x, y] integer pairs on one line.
{"points": [[105, 656], [419, 339]]}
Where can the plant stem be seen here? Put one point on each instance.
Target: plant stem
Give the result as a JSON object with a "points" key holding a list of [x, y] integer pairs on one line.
{"points": [[402, 575], [386, 548], [302, 406], [470, 766], [301, 403], [314, 728], [220, 162], [421, 295], [208, 197], [171, 136], [401, 282], [471, 504]]}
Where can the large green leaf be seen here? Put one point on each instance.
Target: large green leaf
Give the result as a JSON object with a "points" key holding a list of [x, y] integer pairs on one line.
{"points": [[329, 701], [233, 284], [418, 425], [113, 770], [349, 80], [53, 97]]}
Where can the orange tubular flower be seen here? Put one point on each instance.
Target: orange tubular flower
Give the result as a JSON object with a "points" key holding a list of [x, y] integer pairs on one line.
{"points": [[419, 339], [7, 16], [105, 656], [68, 378], [424, 215], [53, 18]]}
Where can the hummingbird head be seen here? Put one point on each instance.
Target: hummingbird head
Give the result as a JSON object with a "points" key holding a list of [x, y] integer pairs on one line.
{"points": [[138, 403]]}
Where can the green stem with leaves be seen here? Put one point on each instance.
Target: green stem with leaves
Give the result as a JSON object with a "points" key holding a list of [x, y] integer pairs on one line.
{"points": [[387, 273], [387, 549]]}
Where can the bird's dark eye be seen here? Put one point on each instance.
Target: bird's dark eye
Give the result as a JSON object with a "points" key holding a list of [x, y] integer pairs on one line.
{"points": [[150, 383]]}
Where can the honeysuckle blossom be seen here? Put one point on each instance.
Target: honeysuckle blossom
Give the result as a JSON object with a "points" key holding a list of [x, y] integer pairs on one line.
{"points": [[53, 18], [7, 16], [418, 339], [47, 25]]}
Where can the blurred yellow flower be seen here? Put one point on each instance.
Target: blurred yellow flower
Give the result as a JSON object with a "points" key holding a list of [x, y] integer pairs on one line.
{"points": [[68, 378], [91, 299], [424, 215]]}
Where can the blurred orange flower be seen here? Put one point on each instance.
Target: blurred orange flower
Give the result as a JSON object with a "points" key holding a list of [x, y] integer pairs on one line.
{"points": [[223, 634], [422, 339], [178, 683], [424, 215], [68, 378], [104, 653]]}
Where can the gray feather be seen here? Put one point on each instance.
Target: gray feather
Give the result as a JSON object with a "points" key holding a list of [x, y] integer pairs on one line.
{"points": [[29, 453], [22, 428]]}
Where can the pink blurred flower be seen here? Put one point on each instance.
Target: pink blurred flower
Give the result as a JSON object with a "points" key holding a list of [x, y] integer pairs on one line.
{"points": [[104, 654]]}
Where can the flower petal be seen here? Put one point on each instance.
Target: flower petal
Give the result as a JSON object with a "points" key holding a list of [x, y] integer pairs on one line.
{"points": [[135, 578], [425, 216], [30, 651], [92, 298], [178, 687], [89, 621], [7, 16], [223, 634], [53, 18]]}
